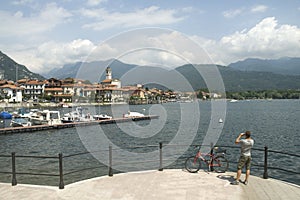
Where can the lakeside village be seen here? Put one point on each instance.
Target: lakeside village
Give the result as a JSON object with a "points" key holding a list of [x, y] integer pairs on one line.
{"points": [[22, 101], [71, 91]]}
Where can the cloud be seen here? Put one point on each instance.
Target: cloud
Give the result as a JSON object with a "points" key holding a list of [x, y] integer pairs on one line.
{"points": [[158, 47], [22, 2], [232, 13], [52, 54], [95, 2], [151, 16], [267, 39], [259, 8], [19, 24], [239, 11]]}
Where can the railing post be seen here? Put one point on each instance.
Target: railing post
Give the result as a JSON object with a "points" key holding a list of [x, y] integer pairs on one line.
{"points": [[160, 157], [265, 176], [13, 166], [211, 160], [110, 170], [61, 175]]}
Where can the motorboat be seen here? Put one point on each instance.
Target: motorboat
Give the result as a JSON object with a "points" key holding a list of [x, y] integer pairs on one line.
{"points": [[102, 117], [45, 117], [133, 114], [20, 122], [23, 112], [77, 115]]}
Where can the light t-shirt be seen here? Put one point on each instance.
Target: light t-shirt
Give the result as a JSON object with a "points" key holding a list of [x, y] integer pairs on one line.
{"points": [[246, 145]]}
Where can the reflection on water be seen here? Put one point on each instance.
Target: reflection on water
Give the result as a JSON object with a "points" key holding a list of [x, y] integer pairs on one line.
{"points": [[273, 123]]}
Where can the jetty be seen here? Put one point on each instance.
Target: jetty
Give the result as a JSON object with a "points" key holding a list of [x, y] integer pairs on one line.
{"points": [[159, 185], [10, 130]]}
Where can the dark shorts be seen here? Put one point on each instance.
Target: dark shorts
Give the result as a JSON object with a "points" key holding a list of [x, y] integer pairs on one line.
{"points": [[244, 161]]}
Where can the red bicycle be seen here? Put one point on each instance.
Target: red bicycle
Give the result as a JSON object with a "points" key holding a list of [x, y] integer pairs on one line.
{"points": [[215, 162]]}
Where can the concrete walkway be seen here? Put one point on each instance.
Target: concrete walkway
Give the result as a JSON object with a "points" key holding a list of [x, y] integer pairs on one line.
{"points": [[168, 184]]}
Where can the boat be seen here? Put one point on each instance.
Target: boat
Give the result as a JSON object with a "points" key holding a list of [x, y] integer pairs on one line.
{"points": [[20, 122], [23, 112], [45, 117], [220, 120], [133, 114], [77, 115], [102, 117], [5, 115], [233, 100]]}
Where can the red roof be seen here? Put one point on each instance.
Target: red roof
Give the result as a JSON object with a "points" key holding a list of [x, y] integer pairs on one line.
{"points": [[53, 89]]}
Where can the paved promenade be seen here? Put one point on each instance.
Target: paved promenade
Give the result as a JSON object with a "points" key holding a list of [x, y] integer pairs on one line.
{"points": [[168, 184]]}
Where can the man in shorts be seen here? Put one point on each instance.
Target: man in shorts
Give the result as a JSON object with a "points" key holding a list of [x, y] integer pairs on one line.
{"points": [[245, 158]]}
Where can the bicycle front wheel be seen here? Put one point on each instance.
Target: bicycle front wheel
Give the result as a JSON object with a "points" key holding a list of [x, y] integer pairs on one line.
{"points": [[192, 164], [220, 164]]}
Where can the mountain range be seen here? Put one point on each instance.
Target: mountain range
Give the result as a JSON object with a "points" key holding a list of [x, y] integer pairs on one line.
{"points": [[249, 74], [14, 71], [285, 66], [239, 76]]}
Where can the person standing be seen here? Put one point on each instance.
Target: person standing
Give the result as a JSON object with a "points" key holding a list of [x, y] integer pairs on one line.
{"points": [[245, 157]]}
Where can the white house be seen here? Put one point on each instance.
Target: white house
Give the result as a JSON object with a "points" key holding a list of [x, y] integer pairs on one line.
{"points": [[12, 93], [33, 88]]}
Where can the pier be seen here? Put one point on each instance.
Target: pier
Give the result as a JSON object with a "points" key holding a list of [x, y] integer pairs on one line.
{"points": [[11, 130], [160, 183]]}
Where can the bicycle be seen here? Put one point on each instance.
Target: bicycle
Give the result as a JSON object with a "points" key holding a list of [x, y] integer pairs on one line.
{"points": [[215, 162]]}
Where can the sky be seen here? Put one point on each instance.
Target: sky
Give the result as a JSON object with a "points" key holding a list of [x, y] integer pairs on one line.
{"points": [[43, 35]]}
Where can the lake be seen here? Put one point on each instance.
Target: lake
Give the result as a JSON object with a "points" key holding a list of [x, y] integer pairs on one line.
{"points": [[273, 123]]}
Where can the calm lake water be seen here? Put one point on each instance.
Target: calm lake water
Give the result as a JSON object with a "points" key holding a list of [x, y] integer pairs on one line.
{"points": [[273, 123]]}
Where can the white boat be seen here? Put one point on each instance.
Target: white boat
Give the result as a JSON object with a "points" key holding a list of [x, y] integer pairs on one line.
{"points": [[45, 117], [102, 117], [133, 114], [22, 112], [220, 120], [20, 122], [233, 100], [77, 115]]}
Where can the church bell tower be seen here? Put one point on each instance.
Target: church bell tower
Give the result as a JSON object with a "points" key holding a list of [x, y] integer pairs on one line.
{"points": [[108, 73]]}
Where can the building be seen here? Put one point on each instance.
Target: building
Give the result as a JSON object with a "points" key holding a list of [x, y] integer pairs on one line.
{"points": [[12, 93], [109, 81], [111, 91], [33, 89]]}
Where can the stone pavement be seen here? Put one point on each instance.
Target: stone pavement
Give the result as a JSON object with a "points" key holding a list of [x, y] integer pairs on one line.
{"points": [[168, 184]]}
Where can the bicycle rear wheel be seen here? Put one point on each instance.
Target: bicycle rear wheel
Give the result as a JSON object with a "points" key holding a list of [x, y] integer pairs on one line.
{"points": [[220, 164], [192, 164]]}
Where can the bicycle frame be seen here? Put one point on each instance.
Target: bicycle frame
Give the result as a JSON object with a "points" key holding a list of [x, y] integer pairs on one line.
{"points": [[209, 162]]}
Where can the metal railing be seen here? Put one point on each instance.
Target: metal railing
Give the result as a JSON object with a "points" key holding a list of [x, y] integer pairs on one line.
{"points": [[110, 166]]}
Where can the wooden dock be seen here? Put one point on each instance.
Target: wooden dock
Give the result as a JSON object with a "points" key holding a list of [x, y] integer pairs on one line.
{"points": [[11, 130]]}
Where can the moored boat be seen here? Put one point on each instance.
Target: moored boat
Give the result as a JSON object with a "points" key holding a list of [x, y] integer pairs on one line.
{"points": [[45, 117], [133, 114], [20, 122], [102, 117], [78, 115]]}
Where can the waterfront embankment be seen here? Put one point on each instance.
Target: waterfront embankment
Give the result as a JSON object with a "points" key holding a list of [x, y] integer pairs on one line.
{"points": [[159, 185]]}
